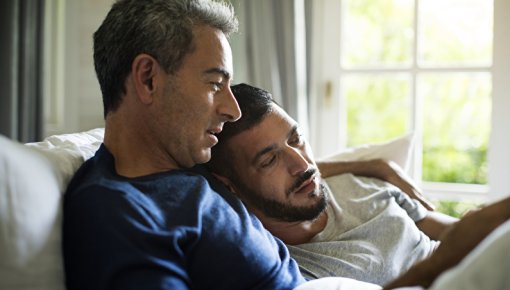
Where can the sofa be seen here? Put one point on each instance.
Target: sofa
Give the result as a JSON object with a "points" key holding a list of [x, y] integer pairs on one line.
{"points": [[33, 179]]}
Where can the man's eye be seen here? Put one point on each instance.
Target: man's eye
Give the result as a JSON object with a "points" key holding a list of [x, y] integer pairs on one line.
{"points": [[216, 85], [268, 162]]}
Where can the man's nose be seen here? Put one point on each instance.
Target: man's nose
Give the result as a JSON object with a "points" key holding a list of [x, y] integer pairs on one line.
{"points": [[229, 108], [296, 161]]}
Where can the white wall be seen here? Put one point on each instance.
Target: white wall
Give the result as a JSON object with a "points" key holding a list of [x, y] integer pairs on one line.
{"points": [[73, 101], [238, 43]]}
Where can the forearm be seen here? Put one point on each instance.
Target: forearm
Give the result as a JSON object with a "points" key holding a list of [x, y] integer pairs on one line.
{"points": [[435, 224]]}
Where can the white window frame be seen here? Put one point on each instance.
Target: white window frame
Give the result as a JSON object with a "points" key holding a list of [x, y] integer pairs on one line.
{"points": [[328, 131]]}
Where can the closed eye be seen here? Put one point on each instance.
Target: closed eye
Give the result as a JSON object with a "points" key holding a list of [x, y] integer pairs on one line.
{"points": [[268, 162]]}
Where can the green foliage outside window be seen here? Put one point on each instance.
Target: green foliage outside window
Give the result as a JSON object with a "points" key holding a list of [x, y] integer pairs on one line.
{"points": [[454, 106], [378, 108], [456, 124], [382, 29], [455, 208], [447, 164]]}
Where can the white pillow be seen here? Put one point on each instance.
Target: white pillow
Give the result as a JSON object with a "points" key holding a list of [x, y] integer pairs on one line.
{"points": [[397, 150], [337, 283], [33, 178], [341, 283], [67, 152]]}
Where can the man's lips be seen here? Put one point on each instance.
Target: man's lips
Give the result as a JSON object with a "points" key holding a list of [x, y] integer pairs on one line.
{"points": [[213, 133], [215, 130], [307, 186]]}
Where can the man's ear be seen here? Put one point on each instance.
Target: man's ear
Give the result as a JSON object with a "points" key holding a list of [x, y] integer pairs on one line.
{"points": [[225, 181], [144, 70]]}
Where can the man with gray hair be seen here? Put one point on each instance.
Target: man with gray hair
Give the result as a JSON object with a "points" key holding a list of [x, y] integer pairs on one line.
{"points": [[135, 216]]}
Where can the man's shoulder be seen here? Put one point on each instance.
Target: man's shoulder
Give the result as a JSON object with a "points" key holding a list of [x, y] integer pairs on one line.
{"points": [[96, 191], [94, 182], [99, 172], [89, 173]]}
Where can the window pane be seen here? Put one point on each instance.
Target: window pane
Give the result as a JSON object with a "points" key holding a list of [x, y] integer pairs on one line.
{"points": [[377, 33], [455, 32], [457, 109], [377, 107]]}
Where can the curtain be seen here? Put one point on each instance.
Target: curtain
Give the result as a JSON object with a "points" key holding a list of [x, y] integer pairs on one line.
{"points": [[273, 51], [21, 51]]}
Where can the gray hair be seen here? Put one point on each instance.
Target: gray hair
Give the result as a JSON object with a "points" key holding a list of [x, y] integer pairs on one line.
{"points": [[160, 28]]}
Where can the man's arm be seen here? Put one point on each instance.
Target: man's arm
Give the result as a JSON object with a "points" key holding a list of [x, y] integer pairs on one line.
{"points": [[385, 170], [436, 224], [458, 241]]}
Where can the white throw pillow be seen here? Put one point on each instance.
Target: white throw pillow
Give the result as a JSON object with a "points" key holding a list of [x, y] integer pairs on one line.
{"points": [[33, 178], [67, 152], [397, 150]]}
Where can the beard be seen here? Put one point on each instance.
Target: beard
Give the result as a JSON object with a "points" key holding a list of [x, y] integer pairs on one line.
{"points": [[286, 212]]}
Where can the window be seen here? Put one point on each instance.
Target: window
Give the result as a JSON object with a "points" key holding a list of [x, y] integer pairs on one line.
{"points": [[384, 68]]}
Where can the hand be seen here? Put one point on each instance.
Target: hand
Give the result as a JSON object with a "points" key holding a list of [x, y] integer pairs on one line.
{"points": [[396, 176]]}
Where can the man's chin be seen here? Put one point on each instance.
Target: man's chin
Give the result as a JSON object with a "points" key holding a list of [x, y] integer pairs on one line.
{"points": [[203, 157], [309, 210]]}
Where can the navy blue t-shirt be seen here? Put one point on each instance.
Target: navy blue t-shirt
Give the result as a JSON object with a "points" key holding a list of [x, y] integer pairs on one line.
{"points": [[167, 230]]}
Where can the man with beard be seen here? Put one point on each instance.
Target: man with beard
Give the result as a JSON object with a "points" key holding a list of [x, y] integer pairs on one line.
{"points": [[371, 232], [134, 215]]}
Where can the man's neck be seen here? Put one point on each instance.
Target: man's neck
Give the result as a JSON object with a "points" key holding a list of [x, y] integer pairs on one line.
{"points": [[295, 233], [135, 155]]}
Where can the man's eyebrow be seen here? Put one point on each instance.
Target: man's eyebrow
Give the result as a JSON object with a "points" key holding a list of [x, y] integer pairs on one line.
{"points": [[216, 70]]}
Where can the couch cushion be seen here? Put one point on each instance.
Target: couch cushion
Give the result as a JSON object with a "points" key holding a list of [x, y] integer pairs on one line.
{"points": [[33, 178]]}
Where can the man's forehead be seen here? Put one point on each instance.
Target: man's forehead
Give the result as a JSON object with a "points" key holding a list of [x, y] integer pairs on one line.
{"points": [[214, 50], [275, 127], [271, 124]]}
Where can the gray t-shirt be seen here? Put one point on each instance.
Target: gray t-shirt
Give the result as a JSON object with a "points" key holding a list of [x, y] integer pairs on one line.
{"points": [[370, 235]]}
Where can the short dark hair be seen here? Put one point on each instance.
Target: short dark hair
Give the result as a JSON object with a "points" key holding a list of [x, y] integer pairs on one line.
{"points": [[160, 28], [255, 105]]}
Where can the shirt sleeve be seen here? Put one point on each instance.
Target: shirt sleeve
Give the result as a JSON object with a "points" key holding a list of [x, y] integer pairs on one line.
{"points": [[414, 208]]}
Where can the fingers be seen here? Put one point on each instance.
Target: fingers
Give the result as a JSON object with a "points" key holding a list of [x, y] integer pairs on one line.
{"points": [[421, 199], [406, 184], [414, 193]]}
